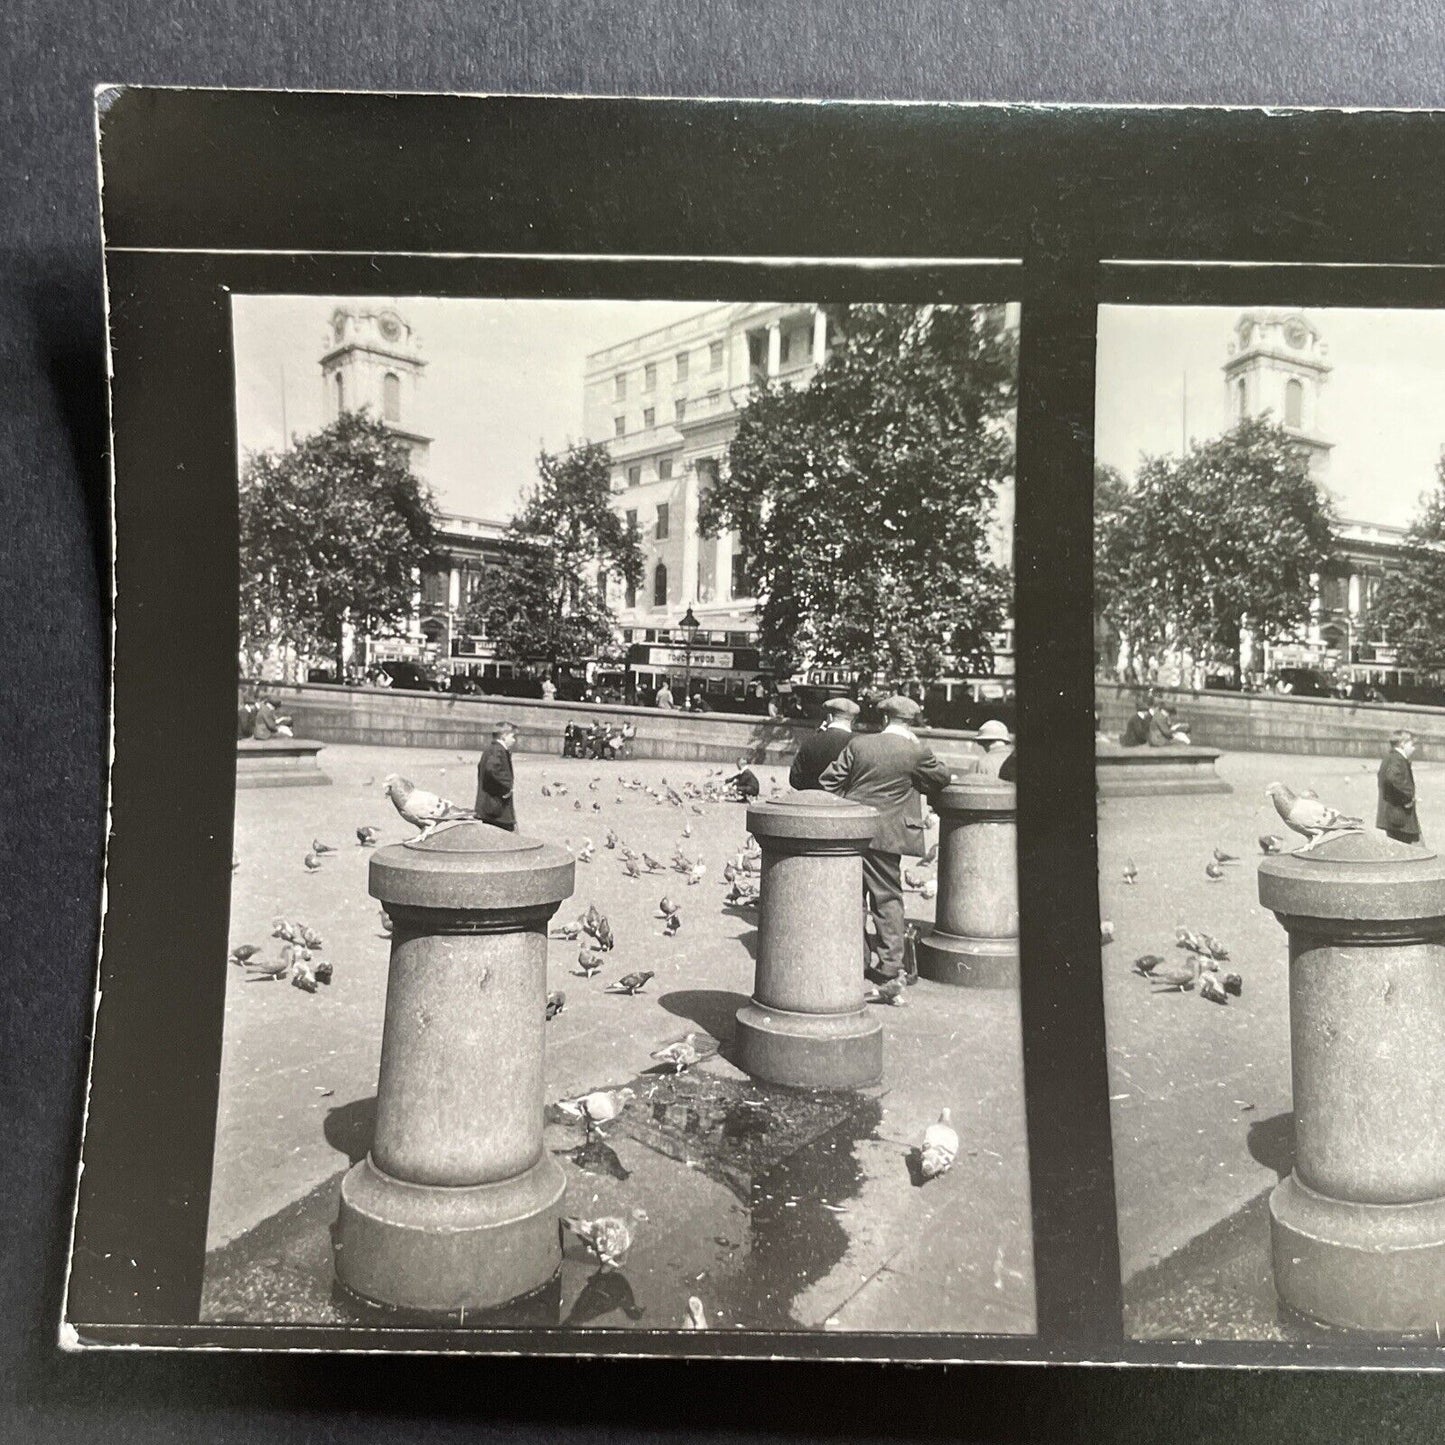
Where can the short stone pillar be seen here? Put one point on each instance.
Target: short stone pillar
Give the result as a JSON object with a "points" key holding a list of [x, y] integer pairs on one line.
{"points": [[807, 1024], [975, 938], [1358, 1230], [457, 1206]]}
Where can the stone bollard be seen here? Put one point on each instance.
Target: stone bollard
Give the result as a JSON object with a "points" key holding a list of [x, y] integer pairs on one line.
{"points": [[807, 1024], [456, 1207], [1358, 1230], [975, 938]]}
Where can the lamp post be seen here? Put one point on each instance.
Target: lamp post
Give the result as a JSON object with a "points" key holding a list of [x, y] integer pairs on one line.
{"points": [[689, 625]]}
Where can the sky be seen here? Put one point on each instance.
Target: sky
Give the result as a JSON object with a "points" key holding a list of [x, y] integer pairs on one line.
{"points": [[504, 379], [1383, 406]]}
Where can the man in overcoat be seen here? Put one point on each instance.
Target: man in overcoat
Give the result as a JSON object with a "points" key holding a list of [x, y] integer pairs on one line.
{"points": [[821, 747], [494, 779], [1396, 782], [885, 770]]}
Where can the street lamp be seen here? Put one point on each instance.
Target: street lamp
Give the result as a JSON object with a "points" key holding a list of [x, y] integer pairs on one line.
{"points": [[689, 625]]}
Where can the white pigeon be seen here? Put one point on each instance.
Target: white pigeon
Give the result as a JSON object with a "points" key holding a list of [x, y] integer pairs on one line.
{"points": [[696, 1315], [1309, 817], [601, 1106], [940, 1147], [420, 808]]}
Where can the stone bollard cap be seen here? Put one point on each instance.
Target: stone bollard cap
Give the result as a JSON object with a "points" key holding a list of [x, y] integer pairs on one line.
{"points": [[472, 866], [811, 813], [976, 793], [1363, 877]]}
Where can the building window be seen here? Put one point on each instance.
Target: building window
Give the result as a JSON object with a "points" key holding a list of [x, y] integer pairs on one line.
{"points": [[649, 418], [634, 476], [619, 387], [661, 532], [1240, 404], [682, 366], [630, 595], [785, 347], [715, 356], [391, 397], [679, 410], [1294, 403], [649, 376], [742, 583], [758, 355], [340, 394], [664, 469], [659, 586], [631, 521], [619, 426], [706, 475]]}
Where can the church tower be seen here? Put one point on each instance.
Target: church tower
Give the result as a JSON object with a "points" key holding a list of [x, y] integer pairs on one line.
{"points": [[1278, 364], [372, 359]]}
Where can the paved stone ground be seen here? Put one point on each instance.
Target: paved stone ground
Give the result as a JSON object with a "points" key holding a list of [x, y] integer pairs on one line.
{"points": [[780, 1209], [1201, 1100]]}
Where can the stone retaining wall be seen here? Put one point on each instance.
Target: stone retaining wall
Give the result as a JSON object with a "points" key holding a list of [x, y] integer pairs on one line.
{"points": [[388, 718], [1270, 723]]}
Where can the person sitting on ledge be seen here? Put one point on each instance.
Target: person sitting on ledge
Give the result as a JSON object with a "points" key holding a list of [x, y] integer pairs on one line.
{"points": [[1162, 728], [993, 737], [1136, 732], [268, 723], [743, 786]]}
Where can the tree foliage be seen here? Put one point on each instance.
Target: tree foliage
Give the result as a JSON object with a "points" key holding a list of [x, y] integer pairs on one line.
{"points": [[1229, 537], [1409, 604], [864, 502], [331, 531], [547, 599]]}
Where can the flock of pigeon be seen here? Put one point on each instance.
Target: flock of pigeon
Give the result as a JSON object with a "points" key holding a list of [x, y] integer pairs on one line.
{"points": [[608, 1238], [1302, 813]]}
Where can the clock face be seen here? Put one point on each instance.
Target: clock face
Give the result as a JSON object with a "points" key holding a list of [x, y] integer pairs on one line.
{"points": [[1296, 334], [390, 327]]}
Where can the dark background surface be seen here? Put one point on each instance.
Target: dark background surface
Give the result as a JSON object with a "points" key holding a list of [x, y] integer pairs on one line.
{"points": [[53, 733]]}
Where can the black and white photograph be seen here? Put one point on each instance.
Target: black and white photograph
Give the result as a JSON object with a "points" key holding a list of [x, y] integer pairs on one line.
{"points": [[1270, 669], [623, 924]]}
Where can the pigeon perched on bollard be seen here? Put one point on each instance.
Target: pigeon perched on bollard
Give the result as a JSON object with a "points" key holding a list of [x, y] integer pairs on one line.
{"points": [[1311, 819], [939, 1149], [420, 808]]}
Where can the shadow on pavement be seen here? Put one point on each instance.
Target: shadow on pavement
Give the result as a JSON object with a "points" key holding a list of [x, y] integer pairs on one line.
{"points": [[1271, 1143], [713, 1010], [349, 1127]]}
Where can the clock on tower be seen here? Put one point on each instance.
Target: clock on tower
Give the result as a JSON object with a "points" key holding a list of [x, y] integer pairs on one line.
{"points": [[1278, 366], [373, 361]]}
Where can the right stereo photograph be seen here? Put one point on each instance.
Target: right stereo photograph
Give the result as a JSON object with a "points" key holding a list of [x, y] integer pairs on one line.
{"points": [[1269, 679]]}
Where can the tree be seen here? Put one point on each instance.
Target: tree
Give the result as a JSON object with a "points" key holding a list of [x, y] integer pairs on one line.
{"points": [[547, 599], [1409, 605], [1228, 538], [332, 531], [864, 502]]}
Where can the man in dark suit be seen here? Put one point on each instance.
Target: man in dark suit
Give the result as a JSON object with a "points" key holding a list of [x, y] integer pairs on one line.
{"points": [[886, 770], [821, 747], [1136, 731], [494, 779], [1396, 782]]}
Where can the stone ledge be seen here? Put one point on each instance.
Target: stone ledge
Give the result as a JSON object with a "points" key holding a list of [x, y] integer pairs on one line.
{"points": [[279, 763], [1155, 772]]}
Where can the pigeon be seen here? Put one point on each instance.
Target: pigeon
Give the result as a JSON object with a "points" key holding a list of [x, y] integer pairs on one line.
{"points": [[611, 840], [630, 865], [631, 983], [687, 830], [592, 919], [1187, 938], [666, 907], [1309, 817], [673, 924], [682, 1053], [929, 889], [1146, 963], [577, 805], [601, 1106], [556, 1002], [696, 1315], [1212, 991], [309, 936], [319, 848], [681, 863], [1177, 977], [324, 971], [304, 978], [560, 789], [695, 874], [1217, 949], [1131, 872], [1271, 843], [570, 931], [422, 809], [366, 837], [586, 851], [913, 880], [1213, 871], [546, 791], [1233, 984], [244, 952], [312, 862], [589, 962], [266, 968], [1220, 856], [609, 1238], [596, 807], [631, 855], [729, 872], [890, 992], [929, 856], [592, 784], [940, 1147], [605, 941], [1106, 932]]}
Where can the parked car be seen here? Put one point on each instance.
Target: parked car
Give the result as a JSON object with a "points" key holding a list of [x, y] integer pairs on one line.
{"points": [[1304, 682], [411, 677]]}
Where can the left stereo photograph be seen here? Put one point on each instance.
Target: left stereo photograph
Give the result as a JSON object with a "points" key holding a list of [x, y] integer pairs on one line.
{"points": [[622, 929]]}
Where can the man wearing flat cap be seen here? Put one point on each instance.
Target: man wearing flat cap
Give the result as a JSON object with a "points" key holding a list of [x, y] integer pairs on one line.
{"points": [[494, 779], [885, 770], [821, 747]]}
